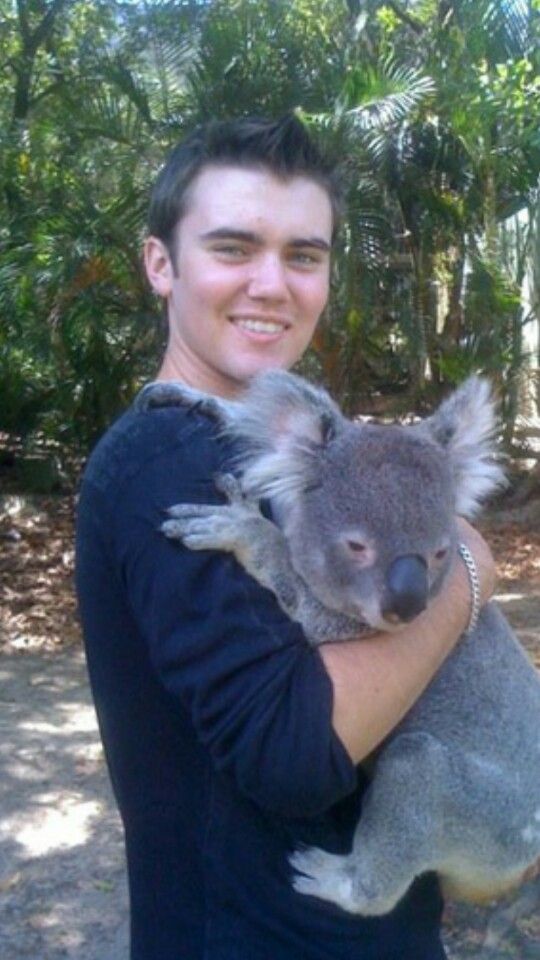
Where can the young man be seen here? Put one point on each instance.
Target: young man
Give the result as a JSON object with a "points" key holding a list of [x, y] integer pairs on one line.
{"points": [[229, 740]]}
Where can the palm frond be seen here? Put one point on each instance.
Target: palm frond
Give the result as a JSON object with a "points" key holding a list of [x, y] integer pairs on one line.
{"points": [[375, 97], [497, 30]]}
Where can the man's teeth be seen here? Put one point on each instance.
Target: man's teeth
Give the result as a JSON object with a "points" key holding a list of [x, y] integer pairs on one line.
{"points": [[261, 326]]}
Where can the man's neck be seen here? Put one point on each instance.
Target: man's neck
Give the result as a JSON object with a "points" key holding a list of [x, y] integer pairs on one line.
{"points": [[173, 369]]}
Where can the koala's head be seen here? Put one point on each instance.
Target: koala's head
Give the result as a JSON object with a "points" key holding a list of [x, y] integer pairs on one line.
{"points": [[369, 510]]}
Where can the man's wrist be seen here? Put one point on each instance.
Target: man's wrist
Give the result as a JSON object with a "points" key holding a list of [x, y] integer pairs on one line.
{"points": [[474, 584]]}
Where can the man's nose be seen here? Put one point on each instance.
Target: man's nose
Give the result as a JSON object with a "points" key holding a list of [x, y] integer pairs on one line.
{"points": [[268, 280]]}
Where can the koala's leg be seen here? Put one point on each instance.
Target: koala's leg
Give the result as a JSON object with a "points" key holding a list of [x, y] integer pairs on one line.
{"points": [[398, 836], [173, 394], [492, 823], [259, 545]]}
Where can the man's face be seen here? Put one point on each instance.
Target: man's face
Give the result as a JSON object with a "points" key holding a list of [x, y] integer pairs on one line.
{"points": [[251, 276]]}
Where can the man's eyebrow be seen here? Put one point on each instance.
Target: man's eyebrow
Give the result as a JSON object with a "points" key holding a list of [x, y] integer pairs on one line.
{"points": [[247, 236], [316, 242], [232, 233]]}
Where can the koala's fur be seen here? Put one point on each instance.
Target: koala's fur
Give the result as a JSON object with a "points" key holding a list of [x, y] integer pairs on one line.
{"points": [[456, 787]]}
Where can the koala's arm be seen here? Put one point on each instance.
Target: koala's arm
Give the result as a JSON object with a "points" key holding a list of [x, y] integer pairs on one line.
{"points": [[376, 680], [262, 549]]}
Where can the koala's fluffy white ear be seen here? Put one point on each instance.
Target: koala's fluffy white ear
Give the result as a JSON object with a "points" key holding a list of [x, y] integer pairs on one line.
{"points": [[284, 421], [465, 425]]}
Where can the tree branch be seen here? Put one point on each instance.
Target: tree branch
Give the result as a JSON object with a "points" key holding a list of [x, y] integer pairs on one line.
{"points": [[405, 16], [23, 22], [45, 26], [32, 41]]}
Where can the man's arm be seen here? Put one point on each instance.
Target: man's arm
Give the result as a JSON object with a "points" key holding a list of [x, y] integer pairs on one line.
{"points": [[255, 694], [377, 680]]}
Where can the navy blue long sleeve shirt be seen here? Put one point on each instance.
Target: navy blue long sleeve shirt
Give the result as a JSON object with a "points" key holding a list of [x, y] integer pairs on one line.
{"points": [[215, 716]]}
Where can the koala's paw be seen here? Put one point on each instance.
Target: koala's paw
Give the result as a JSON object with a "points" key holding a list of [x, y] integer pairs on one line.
{"points": [[169, 393], [337, 879], [203, 526], [324, 875], [161, 394]]}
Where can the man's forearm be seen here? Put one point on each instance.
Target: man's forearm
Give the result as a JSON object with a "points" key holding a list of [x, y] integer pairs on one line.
{"points": [[377, 680]]}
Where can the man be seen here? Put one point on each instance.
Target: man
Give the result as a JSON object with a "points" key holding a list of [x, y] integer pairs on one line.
{"points": [[229, 740]]}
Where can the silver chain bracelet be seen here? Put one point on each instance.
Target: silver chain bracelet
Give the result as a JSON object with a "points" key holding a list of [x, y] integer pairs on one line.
{"points": [[474, 582]]}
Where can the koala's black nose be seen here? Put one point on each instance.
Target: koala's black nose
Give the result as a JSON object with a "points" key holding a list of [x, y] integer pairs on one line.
{"points": [[406, 588]]}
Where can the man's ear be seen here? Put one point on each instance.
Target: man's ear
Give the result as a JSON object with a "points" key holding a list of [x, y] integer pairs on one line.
{"points": [[158, 266]]}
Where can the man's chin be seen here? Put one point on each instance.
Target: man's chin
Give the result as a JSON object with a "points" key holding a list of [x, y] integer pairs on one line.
{"points": [[260, 365]]}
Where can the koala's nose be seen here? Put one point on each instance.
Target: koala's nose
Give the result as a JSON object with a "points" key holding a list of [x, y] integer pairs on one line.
{"points": [[406, 588]]}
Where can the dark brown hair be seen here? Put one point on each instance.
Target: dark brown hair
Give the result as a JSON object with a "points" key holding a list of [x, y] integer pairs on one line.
{"points": [[284, 147]]}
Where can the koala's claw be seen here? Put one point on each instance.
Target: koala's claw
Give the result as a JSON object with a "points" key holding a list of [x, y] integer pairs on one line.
{"points": [[171, 394], [158, 395], [192, 533], [340, 880], [199, 527], [229, 486], [185, 511], [202, 526], [324, 875]]}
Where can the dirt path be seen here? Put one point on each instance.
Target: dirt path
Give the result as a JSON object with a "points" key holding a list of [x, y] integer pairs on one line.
{"points": [[62, 879], [62, 882]]}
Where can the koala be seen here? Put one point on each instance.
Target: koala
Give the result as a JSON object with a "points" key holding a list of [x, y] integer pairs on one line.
{"points": [[363, 538]]}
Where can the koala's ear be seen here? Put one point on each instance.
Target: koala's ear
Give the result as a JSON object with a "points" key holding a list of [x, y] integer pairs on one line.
{"points": [[280, 408], [284, 423], [464, 425]]}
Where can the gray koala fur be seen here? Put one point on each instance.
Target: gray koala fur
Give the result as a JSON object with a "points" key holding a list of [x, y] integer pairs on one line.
{"points": [[456, 787]]}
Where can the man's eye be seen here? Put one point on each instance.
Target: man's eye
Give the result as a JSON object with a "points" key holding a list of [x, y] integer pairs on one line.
{"points": [[231, 250], [306, 259]]}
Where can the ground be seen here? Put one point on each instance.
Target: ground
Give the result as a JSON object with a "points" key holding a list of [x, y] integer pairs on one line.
{"points": [[62, 882]]}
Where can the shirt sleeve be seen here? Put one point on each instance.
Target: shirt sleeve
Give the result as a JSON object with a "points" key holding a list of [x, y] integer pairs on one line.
{"points": [[259, 696]]}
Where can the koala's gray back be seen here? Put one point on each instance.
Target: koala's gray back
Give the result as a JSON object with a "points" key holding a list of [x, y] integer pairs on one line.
{"points": [[484, 708], [489, 666]]}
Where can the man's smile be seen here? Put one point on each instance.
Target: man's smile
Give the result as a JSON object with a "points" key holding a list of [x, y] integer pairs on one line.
{"points": [[261, 327]]}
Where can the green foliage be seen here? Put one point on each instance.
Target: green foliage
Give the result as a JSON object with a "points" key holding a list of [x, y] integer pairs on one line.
{"points": [[492, 304], [432, 107]]}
